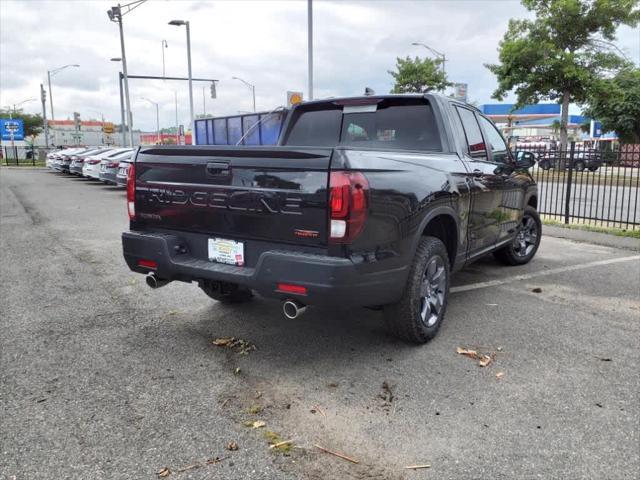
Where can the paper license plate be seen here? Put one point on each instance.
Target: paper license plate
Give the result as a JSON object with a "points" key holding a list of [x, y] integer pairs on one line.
{"points": [[226, 251]]}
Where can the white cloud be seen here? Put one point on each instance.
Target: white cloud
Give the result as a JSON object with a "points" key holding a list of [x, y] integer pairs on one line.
{"points": [[264, 42]]}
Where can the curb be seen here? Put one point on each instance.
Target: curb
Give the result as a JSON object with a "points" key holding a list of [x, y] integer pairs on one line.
{"points": [[597, 238]]}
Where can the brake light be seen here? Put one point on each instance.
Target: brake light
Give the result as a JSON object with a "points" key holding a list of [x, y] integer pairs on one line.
{"points": [[113, 165], [93, 162], [131, 192], [347, 205], [289, 288], [148, 264]]}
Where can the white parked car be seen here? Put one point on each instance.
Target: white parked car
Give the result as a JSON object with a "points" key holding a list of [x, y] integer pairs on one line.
{"points": [[53, 158], [91, 165], [109, 166]]}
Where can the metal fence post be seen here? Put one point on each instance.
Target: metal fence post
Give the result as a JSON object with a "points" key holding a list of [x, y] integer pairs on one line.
{"points": [[569, 179]]}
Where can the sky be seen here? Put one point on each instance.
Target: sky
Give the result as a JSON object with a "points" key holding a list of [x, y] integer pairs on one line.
{"points": [[263, 42]]}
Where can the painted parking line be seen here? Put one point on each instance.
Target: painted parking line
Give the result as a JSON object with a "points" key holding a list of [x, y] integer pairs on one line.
{"points": [[552, 271]]}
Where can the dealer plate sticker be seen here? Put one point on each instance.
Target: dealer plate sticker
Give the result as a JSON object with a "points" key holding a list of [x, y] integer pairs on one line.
{"points": [[226, 251]]}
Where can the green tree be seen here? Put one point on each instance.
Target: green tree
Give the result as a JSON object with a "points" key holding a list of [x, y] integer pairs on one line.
{"points": [[33, 124], [615, 102], [561, 53], [418, 76]]}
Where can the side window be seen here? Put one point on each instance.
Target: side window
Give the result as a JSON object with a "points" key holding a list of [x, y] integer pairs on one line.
{"points": [[499, 149], [472, 131]]}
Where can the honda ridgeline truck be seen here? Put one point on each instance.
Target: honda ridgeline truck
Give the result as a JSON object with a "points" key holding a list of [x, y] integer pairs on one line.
{"points": [[371, 201]]}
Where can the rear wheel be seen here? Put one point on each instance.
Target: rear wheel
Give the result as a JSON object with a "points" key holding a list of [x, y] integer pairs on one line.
{"points": [[526, 243], [417, 317], [226, 292], [544, 164], [579, 166]]}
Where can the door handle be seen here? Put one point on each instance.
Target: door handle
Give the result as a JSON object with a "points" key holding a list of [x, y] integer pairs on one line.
{"points": [[218, 168]]}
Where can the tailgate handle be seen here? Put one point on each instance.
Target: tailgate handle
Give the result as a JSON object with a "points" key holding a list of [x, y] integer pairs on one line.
{"points": [[218, 168]]}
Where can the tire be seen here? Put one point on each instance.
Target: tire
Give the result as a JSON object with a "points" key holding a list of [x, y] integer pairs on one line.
{"points": [[226, 292], [544, 164], [417, 317], [526, 243], [593, 168], [579, 166]]}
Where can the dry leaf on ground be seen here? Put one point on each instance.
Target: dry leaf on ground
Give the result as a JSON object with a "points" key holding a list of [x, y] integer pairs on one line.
{"points": [[485, 360], [467, 353], [241, 347], [258, 424], [164, 472], [499, 375], [232, 446]]}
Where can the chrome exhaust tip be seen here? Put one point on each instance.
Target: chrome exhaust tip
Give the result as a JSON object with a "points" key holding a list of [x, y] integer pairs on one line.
{"points": [[155, 282], [293, 309]]}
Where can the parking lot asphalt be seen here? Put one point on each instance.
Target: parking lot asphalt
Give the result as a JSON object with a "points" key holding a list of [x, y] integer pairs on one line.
{"points": [[102, 377]]}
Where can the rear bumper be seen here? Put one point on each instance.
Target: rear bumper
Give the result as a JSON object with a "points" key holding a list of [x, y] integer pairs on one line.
{"points": [[109, 177], [328, 280]]}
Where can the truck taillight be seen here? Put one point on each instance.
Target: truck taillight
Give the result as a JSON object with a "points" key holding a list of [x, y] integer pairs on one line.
{"points": [[131, 192], [347, 205]]}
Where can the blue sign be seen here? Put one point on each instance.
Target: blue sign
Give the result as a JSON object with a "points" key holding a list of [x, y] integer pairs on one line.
{"points": [[597, 129], [12, 129]]}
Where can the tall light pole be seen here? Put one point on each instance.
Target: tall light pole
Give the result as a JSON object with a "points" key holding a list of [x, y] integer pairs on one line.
{"points": [[51, 73], [175, 97], [164, 45], [253, 90], [115, 15], [310, 46], [435, 52], [16, 105], [157, 117], [179, 23], [123, 123], [43, 99]]}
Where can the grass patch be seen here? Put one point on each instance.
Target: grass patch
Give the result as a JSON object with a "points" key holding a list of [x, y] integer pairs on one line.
{"points": [[275, 439], [255, 409], [620, 232]]}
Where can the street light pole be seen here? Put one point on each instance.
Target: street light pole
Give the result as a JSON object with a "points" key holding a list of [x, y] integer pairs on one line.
{"points": [[179, 23], [437, 53], [43, 98], [157, 105], [175, 93], [51, 73], [310, 46], [124, 73], [252, 87], [115, 15], [164, 45]]}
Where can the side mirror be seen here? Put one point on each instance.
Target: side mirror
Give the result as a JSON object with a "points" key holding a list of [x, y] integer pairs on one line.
{"points": [[525, 159]]}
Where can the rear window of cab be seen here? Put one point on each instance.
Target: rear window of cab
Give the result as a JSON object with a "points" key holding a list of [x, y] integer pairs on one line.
{"points": [[389, 124]]}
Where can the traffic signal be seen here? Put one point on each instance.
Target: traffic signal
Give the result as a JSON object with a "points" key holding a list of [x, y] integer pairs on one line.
{"points": [[76, 120], [213, 89], [43, 94]]}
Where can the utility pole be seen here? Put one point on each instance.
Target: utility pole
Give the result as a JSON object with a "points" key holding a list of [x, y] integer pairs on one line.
{"points": [[310, 46], [179, 23], [123, 123], [43, 98], [115, 15], [175, 93], [164, 45]]}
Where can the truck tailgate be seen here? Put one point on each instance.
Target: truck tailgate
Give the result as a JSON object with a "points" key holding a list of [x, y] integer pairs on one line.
{"points": [[262, 193]]}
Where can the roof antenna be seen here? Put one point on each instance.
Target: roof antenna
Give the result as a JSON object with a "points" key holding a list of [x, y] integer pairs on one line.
{"points": [[368, 92]]}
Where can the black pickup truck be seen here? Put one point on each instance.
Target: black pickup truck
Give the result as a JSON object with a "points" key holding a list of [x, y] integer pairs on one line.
{"points": [[371, 201]]}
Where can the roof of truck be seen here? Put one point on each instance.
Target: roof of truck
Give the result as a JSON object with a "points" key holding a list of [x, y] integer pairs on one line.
{"points": [[356, 98]]}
